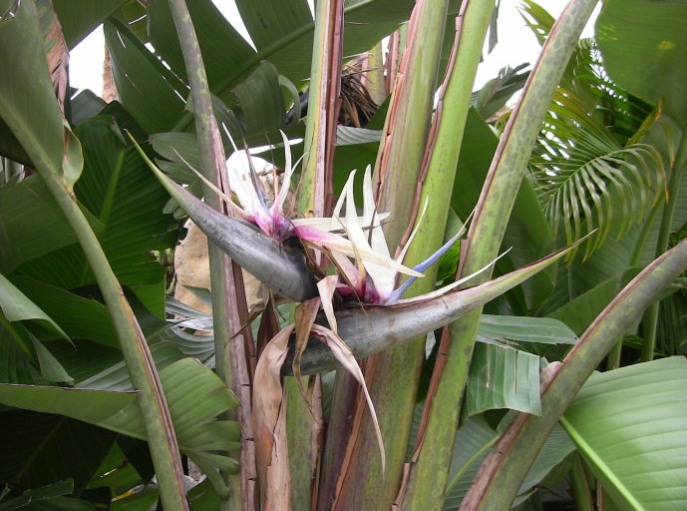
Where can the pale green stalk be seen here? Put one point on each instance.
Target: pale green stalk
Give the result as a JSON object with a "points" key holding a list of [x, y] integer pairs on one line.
{"points": [[486, 233], [428, 476], [159, 429], [320, 126], [226, 281], [502, 474], [393, 375], [315, 184], [651, 317]]}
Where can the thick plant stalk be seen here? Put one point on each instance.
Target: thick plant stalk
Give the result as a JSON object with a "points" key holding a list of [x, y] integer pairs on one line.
{"points": [[323, 112], [503, 471], [352, 477], [651, 321], [23, 53], [228, 298], [486, 233], [139, 362], [442, 159], [315, 198]]}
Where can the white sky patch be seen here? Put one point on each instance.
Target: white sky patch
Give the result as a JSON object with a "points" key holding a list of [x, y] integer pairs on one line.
{"points": [[517, 44]]}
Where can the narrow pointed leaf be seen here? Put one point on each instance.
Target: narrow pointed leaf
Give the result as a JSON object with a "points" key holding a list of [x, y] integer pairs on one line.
{"points": [[195, 394]]}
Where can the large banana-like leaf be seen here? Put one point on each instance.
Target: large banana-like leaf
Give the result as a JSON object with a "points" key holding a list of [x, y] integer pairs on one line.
{"points": [[503, 377], [126, 201], [195, 394], [153, 95], [228, 57], [644, 47], [27, 101], [474, 441], [33, 447], [16, 306], [629, 425], [80, 17], [24, 237]]}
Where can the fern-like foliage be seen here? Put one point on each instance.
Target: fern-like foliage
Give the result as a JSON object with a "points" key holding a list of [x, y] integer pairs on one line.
{"points": [[589, 145]]}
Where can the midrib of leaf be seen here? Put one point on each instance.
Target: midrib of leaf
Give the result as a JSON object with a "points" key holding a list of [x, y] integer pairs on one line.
{"points": [[469, 463], [29, 461], [112, 188], [588, 452], [108, 203]]}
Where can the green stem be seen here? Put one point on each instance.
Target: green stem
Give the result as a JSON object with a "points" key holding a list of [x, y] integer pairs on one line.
{"points": [[501, 475], [485, 237], [651, 317], [425, 491], [320, 124], [160, 431], [228, 298], [392, 375], [580, 484]]}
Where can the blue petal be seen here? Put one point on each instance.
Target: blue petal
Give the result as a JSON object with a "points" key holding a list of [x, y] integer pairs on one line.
{"points": [[398, 293]]}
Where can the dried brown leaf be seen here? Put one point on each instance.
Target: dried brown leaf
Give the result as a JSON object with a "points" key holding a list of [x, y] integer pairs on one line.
{"points": [[345, 357], [269, 417]]}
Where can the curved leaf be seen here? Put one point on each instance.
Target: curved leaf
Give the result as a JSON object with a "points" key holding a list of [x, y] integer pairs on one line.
{"points": [[33, 447], [127, 203], [27, 101], [629, 425], [17, 307], [503, 377], [195, 395], [644, 47]]}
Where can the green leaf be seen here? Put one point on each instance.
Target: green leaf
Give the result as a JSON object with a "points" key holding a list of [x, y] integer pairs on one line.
{"points": [[473, 441], [116, 376], [18, 307], [47, 492], [222, 46], [526, 329], [93, 406], [33, 447], [51, 369], [194, 393], [140, 501], [80, 17], [556, 448], [579, 312], [116, 474], [127, 201], [152, 94], [503, 377], [644, 48], [629, 426], [267, 23], [25, 237], [27, 101]]}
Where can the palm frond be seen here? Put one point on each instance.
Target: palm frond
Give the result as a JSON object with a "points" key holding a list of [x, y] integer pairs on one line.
{"points": [[580, 158]]}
